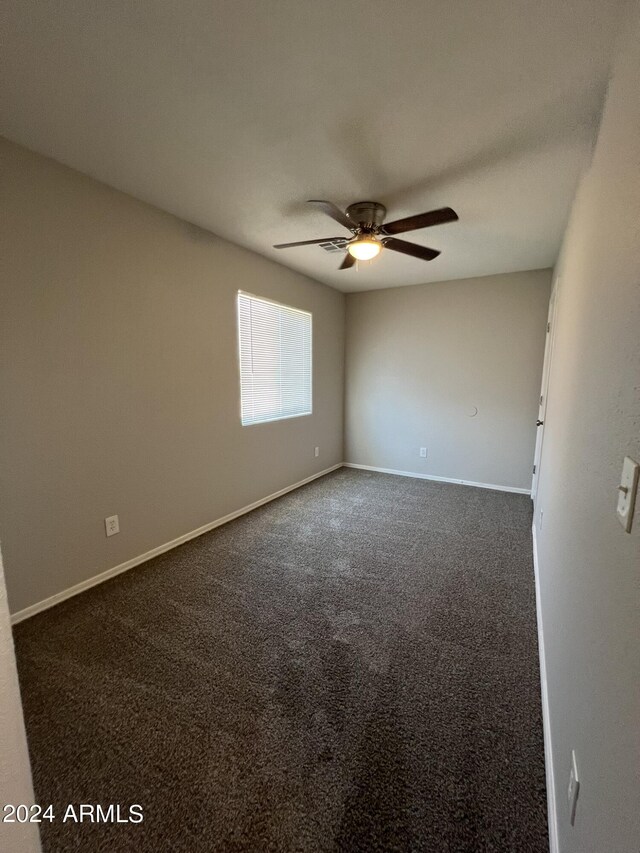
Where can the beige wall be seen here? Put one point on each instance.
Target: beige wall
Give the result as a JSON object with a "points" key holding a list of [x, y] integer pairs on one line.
{"points": [[15, 772], [119, 379], [421, 359], [589, 568]]}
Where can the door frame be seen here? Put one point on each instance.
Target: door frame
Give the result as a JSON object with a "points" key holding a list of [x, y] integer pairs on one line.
{"points": [[544, 386]]}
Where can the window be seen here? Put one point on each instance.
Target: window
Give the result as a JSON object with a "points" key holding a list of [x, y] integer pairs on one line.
{"points": [[275, 360]]}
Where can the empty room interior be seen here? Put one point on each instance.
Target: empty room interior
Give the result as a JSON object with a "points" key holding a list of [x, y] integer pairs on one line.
{"points": [[320, 426]]}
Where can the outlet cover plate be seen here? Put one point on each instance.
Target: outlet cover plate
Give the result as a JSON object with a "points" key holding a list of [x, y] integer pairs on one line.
{"points": [[112, 525]]}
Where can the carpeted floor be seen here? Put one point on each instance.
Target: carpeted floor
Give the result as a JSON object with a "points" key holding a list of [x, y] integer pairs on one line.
{"points": [[353, 667]]}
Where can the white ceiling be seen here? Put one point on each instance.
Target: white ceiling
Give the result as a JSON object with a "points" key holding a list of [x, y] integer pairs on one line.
{"points": [[231, 113]]}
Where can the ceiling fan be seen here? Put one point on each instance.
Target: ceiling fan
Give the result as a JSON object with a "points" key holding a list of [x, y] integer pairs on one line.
{"points": [[365, 220]]}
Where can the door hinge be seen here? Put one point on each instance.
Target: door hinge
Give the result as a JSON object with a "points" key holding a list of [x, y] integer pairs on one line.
{"points": [[534, 469], [548, 327]]}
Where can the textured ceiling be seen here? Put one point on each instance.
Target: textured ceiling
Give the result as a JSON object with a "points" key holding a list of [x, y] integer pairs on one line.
{"points": [[231, 114]]}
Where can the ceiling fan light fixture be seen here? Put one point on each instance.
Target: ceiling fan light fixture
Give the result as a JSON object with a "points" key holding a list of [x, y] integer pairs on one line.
{"points": [[364, 248]]}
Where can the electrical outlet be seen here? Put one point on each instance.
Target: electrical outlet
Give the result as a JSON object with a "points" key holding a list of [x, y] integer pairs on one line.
{"points": [[574, 788], [316, 451], [423, 452], [112, 525]]}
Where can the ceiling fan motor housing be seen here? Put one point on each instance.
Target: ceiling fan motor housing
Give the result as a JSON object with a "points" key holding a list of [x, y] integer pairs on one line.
{"points": [[367, 214]]}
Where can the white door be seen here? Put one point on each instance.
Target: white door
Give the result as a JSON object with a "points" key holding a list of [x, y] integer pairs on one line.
{"points": [[542, 408]]}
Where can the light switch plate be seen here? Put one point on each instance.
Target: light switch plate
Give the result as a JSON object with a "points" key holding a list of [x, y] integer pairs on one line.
{"points": [[574, 788], [627, 492]]}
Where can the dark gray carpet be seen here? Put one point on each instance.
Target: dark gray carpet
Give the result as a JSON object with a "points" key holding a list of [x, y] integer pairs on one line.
{"points": [[350, 668]]}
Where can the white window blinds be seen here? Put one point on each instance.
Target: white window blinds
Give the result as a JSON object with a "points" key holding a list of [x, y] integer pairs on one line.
{"points": [[275, 360]]}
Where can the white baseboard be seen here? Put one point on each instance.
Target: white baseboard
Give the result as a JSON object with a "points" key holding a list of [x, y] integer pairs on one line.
{"points": [[46, 603], [552, 812], [439, 479]]}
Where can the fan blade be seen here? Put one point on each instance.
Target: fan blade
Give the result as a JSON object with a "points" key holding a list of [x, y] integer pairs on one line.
{"points": [[334, 212], [412, 249], [308, 242], [420, 220], [348, 262]]}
